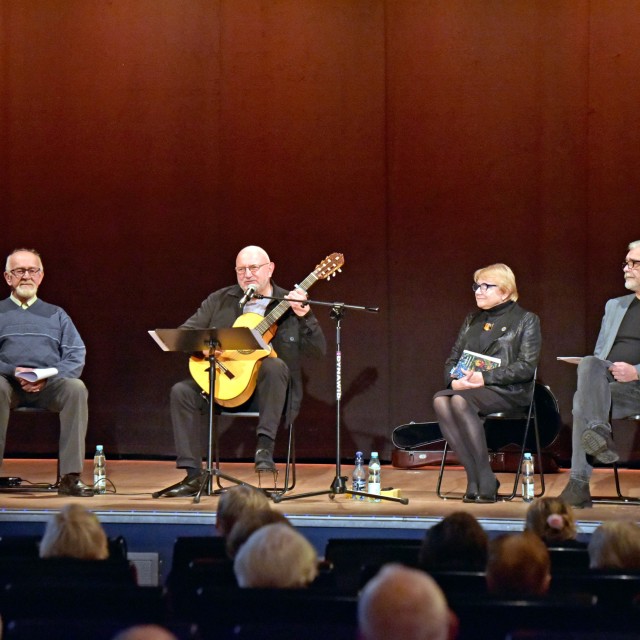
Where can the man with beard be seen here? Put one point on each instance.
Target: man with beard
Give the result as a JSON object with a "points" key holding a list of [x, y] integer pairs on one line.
{"points": [[38, 335], [608, 383]]}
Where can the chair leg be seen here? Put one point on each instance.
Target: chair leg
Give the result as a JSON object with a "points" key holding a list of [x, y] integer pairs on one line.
{"points": [[443, 462], [290, 467], [620, 498], [532, 415]]}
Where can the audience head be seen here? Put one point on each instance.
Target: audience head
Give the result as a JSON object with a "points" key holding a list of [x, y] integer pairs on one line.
{"points": [[276, 556], [552, 520], [518, 565], [615, 545], [248, 524], [74, 532], [145, 632], [400, 602], [237, 501], [458, 541]]}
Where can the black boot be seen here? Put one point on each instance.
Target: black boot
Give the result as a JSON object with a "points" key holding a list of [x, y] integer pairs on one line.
{"points": [[264, 454]]}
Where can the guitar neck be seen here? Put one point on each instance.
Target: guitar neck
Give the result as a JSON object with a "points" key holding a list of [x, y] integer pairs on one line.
{"points": [[273, 316]]}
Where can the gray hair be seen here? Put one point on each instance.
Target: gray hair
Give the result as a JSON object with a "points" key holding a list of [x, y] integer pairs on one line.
{"points": [[20, 250], [634, 245]]}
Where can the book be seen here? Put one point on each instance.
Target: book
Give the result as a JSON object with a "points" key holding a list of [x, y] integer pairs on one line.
{"points": [[570, 359], [577, 359], [472, 361], [37, 374]]}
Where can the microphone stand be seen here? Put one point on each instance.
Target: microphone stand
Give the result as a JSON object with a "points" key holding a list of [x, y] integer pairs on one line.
{"points": [[339, 484]]}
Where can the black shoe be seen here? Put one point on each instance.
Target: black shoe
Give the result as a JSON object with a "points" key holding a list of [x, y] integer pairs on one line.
{"points": [[71, 485], [469, 497], [598, 443], [484, 498], [187, 488], [577, 494], [264, 460]]}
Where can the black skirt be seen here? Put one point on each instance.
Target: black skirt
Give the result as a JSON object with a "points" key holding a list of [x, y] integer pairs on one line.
{"points": [[483, 400]]}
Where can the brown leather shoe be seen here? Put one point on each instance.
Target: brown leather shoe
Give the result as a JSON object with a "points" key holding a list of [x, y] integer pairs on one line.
{"points": [[71, 485]]}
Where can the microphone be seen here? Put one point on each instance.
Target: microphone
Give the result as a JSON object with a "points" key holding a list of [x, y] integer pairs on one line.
{"points": [[248, 294]]}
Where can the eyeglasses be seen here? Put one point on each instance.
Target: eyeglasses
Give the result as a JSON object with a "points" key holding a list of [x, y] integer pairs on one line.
{"points": [[253, 268], [20, 272], [632, 264], [484, 287]]}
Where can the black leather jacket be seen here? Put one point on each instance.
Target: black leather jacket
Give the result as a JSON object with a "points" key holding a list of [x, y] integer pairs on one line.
{"points": [[517, 343]]}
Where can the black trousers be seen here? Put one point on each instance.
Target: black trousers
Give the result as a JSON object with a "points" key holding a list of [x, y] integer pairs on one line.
{"points": [[188, 407]]}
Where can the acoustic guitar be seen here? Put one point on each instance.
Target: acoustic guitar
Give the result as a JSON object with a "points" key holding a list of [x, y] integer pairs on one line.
{"points": [[237, 371]]}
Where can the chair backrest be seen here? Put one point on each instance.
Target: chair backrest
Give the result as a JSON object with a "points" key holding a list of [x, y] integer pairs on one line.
{"points": [[350, 557]]}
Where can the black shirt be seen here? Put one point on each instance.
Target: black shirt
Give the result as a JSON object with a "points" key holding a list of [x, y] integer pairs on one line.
{"points": [[626, 347]]}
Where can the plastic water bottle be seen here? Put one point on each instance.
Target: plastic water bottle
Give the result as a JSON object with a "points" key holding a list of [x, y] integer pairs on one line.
{"points": [[99, 471], [358, 479], [528, 487], [373, 484]]}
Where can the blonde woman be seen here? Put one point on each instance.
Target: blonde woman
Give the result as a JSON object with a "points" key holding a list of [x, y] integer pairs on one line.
{"points": [[501, 329]]}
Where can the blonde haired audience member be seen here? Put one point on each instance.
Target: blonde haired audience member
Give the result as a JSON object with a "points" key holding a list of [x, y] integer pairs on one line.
{"points": [[552, 520], [236, 502], [74, 532], [401, 602], [615, 545], [276, 556], [518, 565]]}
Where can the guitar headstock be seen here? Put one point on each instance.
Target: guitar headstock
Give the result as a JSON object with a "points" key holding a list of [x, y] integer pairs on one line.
{"points": [[329, 266]]}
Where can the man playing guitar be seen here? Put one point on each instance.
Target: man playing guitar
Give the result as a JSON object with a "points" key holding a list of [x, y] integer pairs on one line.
{"points": [[295, 332]]}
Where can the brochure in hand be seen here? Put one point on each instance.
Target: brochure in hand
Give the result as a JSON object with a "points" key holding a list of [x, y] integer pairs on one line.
{"points": [[472, 361], [37, 374]]}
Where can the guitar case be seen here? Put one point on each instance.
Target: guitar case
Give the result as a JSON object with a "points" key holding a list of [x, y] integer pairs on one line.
{"points": [[420, 444]]}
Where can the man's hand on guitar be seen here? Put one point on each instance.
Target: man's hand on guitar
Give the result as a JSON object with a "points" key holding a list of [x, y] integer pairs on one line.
{"points": [[297, 307]]}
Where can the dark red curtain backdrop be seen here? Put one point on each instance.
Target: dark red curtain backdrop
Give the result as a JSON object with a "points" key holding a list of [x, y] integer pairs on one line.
{"points": [[144, 142]]}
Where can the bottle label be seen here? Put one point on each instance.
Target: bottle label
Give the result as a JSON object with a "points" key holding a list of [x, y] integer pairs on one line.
{"points": [[374, 487], [527, 490], [358, 485]]}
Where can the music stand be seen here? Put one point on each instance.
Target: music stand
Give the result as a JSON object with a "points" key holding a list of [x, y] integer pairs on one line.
{"points": [[194, 340]]}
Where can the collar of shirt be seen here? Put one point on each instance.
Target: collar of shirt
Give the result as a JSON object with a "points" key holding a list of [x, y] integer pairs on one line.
{"points": [[24, 305]]}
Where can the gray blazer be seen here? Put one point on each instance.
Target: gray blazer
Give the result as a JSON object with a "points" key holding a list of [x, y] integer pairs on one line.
{"points": [[614, 311]]}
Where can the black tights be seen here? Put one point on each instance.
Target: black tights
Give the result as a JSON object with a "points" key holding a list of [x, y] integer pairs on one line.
{"points": [[464, 432]]}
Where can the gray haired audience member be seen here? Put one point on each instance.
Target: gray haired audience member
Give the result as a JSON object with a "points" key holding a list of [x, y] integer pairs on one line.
{"points": [[74, 532], [615, 545], [276, 556], [235, 503], [457, 542], [518, 565], [400, 602]]}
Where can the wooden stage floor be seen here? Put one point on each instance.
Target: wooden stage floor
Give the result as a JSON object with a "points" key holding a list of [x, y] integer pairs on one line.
{"points": [[135, 481]]}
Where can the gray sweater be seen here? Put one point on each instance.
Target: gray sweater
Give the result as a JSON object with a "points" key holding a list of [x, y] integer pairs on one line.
{"points": [[41, 336]]}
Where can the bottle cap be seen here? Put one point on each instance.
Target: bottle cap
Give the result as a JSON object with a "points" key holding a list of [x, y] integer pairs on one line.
{"points": [[99, 447], [374, 454], [358, 454]]}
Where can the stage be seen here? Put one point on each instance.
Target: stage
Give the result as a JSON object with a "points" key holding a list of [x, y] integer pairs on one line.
{"points": [[150, 525]]}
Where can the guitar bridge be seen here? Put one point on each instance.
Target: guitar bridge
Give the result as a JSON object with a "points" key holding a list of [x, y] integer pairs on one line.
{"points": [[225, 370]]}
